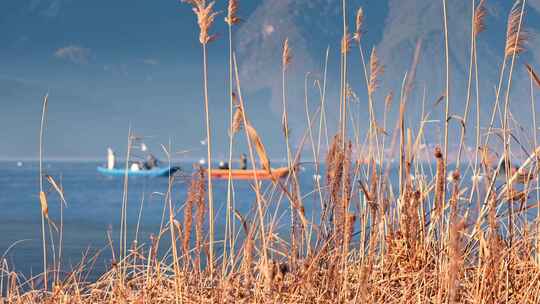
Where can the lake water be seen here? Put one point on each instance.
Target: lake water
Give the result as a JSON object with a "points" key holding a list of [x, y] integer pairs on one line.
{"points": [[94, 208]]}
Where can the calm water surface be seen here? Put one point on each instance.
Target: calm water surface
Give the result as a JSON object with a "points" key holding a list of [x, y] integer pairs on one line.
{"points": [[94, 207]]}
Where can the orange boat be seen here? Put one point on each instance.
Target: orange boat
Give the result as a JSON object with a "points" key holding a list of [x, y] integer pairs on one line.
{"points": [[239, 174]]}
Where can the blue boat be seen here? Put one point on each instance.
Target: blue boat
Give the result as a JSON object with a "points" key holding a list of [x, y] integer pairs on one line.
{"points": [[155, 172]]}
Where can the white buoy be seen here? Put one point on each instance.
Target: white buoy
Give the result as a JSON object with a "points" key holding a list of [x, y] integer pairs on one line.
{"points": [[19, 164], [202, 161]]}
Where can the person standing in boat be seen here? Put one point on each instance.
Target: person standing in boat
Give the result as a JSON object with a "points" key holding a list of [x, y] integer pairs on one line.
{"points": [[111, 158], [223, 165], [151, 162], [243, 161]]}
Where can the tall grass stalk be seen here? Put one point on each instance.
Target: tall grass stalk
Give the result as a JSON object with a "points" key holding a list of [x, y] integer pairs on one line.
{"points": [[285, 62], [537, 179], [447, 92], [515, 50], [123, 216], [209, 162], [259, 200], [231, 20], [42, 196], [469, 85], [205, 19]]}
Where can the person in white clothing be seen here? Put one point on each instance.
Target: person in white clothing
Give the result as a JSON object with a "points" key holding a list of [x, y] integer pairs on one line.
{"points": [[110, 159], [135, 167]]}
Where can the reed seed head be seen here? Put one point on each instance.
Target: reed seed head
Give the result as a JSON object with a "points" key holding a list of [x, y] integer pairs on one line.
{"points": [[205, 18], [259, 147], [287, 56], [438, 152], [516, 37], [388, 100], [238, 120], [456, 176], [346, 43], [232, 10], [479, 18], [376, 70], [44, 204], [359, 23]]}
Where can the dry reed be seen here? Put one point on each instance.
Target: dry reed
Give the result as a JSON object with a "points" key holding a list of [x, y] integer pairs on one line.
{"points": [[359, 21], [371, 241], [376, 70], [533, 75], [232, 10], [205, 18], [479, 24], [515, 37]]}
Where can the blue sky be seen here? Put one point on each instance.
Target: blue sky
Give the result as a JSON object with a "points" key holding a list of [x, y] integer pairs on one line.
{"points": [[109, 64]]}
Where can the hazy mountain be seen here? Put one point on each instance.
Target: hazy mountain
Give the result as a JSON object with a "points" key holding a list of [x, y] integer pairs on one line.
{"points": [[395, 28], [110, 64]]}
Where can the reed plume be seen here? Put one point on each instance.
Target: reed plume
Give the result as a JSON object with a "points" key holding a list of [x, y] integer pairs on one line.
{"points": [[44, 204], [456, 261], [259, 147], [238, 120], [455, 248], [205, 18], [357, 36], [516, 38], [348, 234], [346, 195], [345, 43], [479, 24], [376, 70], [286, 57], [388, 100], [439, 181], [286, 61], [199, 215], [232, 10], [188, 213], [334, 163]]}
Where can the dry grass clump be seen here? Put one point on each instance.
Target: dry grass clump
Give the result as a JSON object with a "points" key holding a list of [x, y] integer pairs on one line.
{"points": [[427, 238]]}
